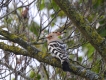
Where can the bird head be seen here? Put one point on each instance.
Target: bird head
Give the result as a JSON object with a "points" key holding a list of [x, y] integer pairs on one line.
{"points": [[54, 36]]}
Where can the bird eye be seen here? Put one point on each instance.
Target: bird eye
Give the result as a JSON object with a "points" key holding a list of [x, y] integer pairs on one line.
{"points": [[50, 36]]}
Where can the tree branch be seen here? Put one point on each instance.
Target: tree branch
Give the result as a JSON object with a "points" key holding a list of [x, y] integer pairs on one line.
{"points": [[18, 40], [76, 69], [92, 36]]}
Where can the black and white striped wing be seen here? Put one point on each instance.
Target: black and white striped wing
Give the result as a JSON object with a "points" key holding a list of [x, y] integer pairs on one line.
{"points": [[58, 50]]}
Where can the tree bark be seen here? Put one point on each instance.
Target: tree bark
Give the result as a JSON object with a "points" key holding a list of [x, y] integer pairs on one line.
{"points": [[31, 51], [87, 30]]}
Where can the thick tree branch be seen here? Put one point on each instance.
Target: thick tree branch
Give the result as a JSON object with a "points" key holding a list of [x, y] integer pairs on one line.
{"points": [[92, 36], [15, 49], [76, 69], [18, 40]]}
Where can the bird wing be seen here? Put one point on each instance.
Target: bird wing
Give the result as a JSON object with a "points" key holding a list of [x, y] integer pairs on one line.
{"points": [[57, 46]]}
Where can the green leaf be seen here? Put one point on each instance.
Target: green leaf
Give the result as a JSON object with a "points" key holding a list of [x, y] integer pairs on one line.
{"points": [[34, 27], [96, 66], [41, 4], [97, 3], [55, 6], [32, 74], [90, 49], [102, 31], [38, 77], [61, 14], [80, 59]]}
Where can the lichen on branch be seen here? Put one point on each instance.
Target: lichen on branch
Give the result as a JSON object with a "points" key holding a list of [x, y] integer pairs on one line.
{"points": [[87, 30]]}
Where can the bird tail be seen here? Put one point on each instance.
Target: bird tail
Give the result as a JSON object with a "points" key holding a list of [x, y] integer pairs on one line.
{"points": [[65, 66]]}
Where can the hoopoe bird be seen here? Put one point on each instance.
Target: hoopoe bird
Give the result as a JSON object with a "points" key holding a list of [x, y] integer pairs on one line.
{"points": [[58, 49]]}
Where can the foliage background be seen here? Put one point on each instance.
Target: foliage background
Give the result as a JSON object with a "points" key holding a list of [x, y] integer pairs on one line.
{"points": [[24, 54]]}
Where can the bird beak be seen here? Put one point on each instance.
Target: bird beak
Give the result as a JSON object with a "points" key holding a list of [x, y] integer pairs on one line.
{"points": [[63, 32], [60, 33], [47, 37]]}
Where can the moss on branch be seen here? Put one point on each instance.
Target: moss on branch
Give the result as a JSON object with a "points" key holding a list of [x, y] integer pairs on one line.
{"points": [[90, 34], [31, 51], [20, 41], [14, 49], [76, 69]]}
